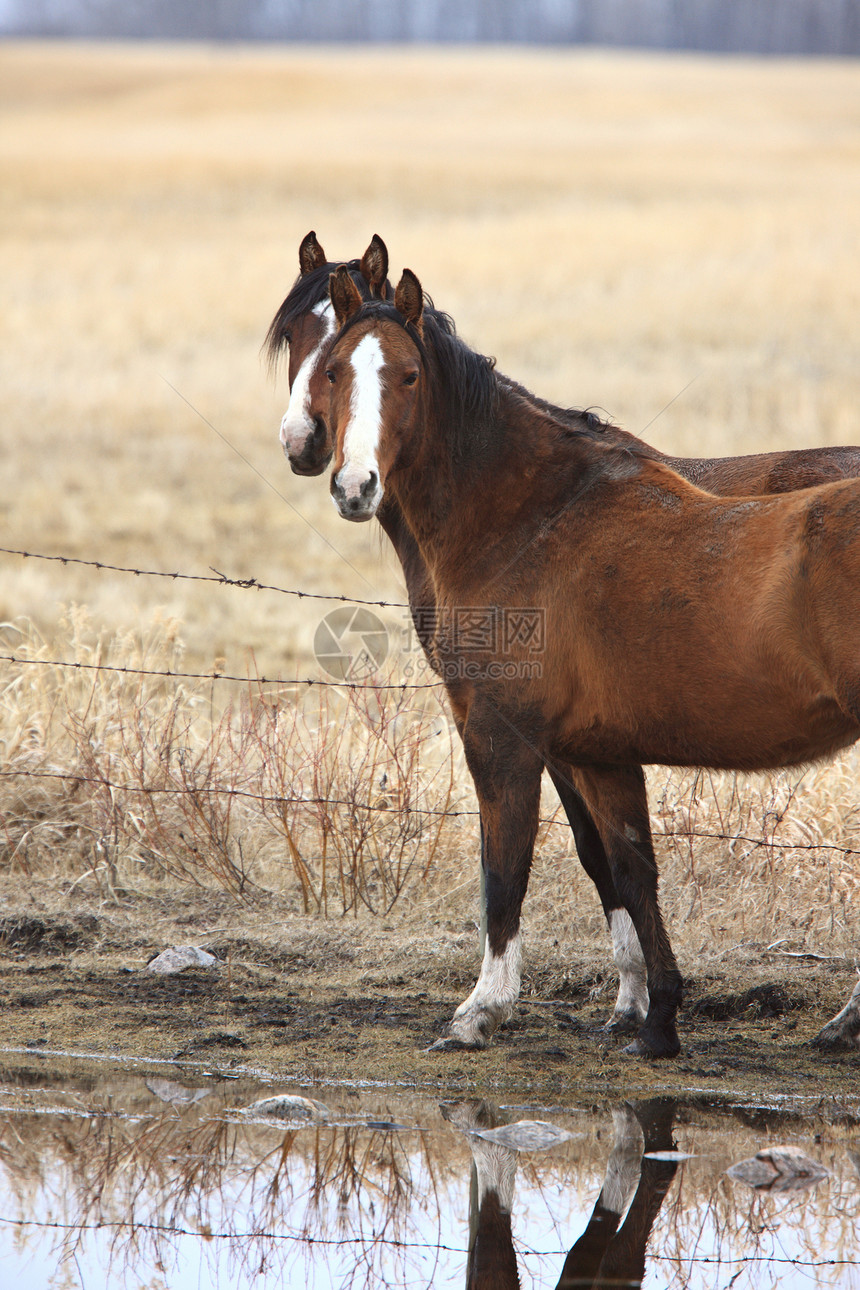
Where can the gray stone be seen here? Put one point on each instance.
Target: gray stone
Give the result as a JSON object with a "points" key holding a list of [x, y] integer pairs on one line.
{"points": [[526, 1135], [778, 1168], [288, 1108], [180, 957]]}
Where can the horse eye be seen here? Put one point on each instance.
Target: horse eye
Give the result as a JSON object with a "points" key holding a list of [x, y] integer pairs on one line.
{"points": [[410, 378], [330, 377]]}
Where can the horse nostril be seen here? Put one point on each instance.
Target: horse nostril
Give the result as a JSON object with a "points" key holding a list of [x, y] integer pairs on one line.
{"points": [[368, 488]]}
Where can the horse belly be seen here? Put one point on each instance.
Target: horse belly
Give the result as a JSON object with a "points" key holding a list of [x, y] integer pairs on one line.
{"points": [[724, 728]]}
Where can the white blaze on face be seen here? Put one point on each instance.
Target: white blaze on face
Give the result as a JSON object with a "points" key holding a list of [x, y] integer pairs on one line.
{"points": [[361, 439], [297, 422]]}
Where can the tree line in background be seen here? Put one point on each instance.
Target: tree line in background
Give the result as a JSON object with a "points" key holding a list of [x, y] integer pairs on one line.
{"points": [[724, 26]]}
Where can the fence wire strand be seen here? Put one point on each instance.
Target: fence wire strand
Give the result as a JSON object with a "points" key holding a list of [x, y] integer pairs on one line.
{"points": [[220, 579], [278, 799], [215, 675]]}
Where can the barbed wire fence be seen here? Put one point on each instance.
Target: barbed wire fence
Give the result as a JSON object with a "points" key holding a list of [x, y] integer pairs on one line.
{"points": [[281, 800]]}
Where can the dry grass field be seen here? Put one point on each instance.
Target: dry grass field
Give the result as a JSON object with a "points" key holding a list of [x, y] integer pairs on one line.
{"points": [[675, 240], [612, 227]]}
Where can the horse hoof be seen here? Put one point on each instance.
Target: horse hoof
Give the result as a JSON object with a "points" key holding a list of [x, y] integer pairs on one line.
{"points": [[451, 1044], [622, 1023], [831, 1040], [650, 1051]]}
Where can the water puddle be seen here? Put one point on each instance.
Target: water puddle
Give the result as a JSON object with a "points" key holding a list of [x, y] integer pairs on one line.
{"points": [[168, 1178]]}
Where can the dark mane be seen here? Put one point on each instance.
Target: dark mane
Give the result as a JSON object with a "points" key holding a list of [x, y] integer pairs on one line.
{"points": [[306, 292], [576, 419], [471, 384]]}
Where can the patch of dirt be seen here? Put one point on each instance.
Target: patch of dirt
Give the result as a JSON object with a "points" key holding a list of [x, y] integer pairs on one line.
{"points": [[307, 999], [47, 935], [761, 1001]]}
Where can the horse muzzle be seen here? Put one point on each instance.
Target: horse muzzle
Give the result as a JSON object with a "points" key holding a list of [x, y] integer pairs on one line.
{"points": [[357, 502], [314, 453]]}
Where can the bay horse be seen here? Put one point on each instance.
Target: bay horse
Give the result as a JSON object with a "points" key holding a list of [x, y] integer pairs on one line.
{"points": [[741, 652], [304, 323]]}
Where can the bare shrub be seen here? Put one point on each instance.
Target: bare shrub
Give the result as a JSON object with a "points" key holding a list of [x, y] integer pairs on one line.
{"points": [[116, 773]]}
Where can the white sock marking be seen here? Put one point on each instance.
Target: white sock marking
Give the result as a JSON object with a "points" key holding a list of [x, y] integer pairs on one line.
{"points": [[625, 1162], [496, 1167], [498, 986], [627, 952]]}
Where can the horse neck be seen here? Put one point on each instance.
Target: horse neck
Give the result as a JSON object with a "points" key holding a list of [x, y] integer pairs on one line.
{"points": [[419, 587], [469, 491], [619, 438]]}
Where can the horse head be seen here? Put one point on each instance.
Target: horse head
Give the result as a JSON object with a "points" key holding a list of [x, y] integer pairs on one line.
{"points": [[374, 369], [305, 323]]}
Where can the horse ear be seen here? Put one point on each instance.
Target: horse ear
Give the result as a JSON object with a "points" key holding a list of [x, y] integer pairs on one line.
{"points": [[311, 254], [374, 266], [409, 298], [345, 295]]}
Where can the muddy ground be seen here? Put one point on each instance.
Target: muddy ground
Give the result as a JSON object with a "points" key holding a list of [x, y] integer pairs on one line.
{"points": [[316, 1000]]}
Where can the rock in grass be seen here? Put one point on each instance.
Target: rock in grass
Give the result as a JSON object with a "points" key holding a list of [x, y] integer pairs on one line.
{"points": [[178, 958], [778, 1169], [288, 1108]]}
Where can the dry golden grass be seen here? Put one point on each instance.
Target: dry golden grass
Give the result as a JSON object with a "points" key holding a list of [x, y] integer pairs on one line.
{"points": [[619, 230]]}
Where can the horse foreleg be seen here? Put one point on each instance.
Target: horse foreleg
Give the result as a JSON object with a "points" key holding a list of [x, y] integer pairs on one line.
{"points": [[631, 1006], [618, 804], [507, 774]]}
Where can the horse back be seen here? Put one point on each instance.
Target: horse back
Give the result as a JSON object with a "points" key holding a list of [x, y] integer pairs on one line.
{"points": [[706, 631], [769, 473]]}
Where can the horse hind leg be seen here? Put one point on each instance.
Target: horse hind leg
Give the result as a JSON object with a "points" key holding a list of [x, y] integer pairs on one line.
{"points": [[618, 803], [631, 1006]]}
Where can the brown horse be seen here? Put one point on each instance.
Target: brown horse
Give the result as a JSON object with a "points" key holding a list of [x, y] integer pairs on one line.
{"points": [[304, 324], [741, 652]]}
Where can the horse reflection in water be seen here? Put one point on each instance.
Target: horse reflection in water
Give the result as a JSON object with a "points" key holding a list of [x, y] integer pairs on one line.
{"points": [[609, 1252]]}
